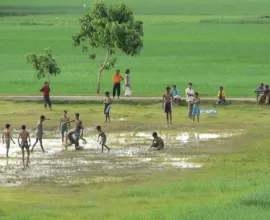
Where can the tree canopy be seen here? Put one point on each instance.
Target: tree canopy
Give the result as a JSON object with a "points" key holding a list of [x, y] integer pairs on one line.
{"points": [[44, 64], [111, 28]]}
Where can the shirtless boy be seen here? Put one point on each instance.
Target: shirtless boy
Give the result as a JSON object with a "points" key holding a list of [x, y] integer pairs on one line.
{"points": [[167, 102], [77, 131], [107, 103], [6, 137], [103, 138], [39, 133], [158, 143], [64, 125], [24, 144]]}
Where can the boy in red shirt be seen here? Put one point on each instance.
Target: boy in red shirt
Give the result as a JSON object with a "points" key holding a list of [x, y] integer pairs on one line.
{"points": [[46, 95]]}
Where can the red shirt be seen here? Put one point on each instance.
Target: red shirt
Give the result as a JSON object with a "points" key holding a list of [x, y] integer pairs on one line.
{"points": [[45, 90]]}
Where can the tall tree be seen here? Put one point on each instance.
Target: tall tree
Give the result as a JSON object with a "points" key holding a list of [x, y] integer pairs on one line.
{"points": [[44, 64], [111, 28]]}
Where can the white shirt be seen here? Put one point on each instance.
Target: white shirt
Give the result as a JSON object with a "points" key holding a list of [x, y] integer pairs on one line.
{"points": [[190, 92]]}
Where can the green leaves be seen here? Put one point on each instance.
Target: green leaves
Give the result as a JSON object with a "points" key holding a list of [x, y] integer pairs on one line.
{"points": [[43, 63], [111, 28]]}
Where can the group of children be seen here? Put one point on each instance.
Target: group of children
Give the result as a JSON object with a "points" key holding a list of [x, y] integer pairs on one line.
{"points": [[72, 136], [193, 101]]}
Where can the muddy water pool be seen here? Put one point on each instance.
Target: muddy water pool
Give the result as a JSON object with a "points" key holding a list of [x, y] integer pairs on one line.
{"points": [[129, 158]]}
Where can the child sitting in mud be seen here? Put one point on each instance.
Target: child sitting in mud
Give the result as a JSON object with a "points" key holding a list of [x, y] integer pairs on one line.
{"points": [[6, 137], [24, 144], [158, 143], [39, 132], [103, 138]]}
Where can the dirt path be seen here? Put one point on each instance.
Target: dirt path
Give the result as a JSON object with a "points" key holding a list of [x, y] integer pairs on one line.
{"points": [[8, 97]]}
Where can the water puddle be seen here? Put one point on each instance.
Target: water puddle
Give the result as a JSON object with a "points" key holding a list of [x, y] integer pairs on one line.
{"points": [[129, 157]]}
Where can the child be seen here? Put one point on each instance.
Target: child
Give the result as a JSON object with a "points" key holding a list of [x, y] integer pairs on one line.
{"points": [[64, 125], [259, 91], [6, 137], [78, 131], [39, 132], [158, 143], [46, 95], [103, 138], [196, 107], [24, 135], [167, 102], [70, 136], [107, 102]]}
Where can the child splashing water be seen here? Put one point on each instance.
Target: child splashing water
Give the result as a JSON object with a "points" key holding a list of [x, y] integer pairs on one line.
{"points": [[103, 138], [24, 144], [39, 133]]}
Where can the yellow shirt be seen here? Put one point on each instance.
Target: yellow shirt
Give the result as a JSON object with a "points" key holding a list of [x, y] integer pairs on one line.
{"points": [[222, 94]]}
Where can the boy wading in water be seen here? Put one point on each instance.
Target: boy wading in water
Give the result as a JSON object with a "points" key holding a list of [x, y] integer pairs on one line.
{"points": [[24, 135], [64, 125], [6, 137], [46, 95], [196, 108], [107, 102], [167, 102], [158, 143], [103, 138], [39, 133]]}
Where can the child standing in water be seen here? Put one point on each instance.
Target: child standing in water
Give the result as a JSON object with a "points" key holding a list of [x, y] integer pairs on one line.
{"points": [[107, 102], [24, 144], [196, 107], [39, 133], [6, 137], [103, 138], [158, 143], [64, 125], [167, 102]]}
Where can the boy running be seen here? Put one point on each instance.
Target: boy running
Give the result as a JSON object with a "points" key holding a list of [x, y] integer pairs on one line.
{"points": [[158, 143], [196, 107], [24, 144], [167, 102], [77, 131], [107, 102], [70, 136], [103, 138], [39, 133], [64, 125], [6, 137]]}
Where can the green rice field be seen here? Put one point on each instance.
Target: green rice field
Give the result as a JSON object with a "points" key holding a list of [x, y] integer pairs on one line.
{"points": [[210, 43]]}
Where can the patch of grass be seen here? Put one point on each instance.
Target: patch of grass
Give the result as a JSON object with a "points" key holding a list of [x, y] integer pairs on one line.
{"points": [[207, 54]]}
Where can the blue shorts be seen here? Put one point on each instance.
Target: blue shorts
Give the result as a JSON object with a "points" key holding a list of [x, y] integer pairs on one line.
{"points": [[196, 110]]}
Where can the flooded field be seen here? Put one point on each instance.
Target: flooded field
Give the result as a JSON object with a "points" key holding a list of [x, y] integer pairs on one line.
{"points": [[130, 157]]}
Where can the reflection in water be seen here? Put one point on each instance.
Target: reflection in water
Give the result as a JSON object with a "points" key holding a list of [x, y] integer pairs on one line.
{"points": [[129, 157]]}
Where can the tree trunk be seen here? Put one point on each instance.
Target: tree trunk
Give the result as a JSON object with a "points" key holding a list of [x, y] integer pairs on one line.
{"points": [[100, 71], [49, 78]]}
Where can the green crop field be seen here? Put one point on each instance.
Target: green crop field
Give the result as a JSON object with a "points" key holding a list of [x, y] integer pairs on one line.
{"points": [[210, 43]]}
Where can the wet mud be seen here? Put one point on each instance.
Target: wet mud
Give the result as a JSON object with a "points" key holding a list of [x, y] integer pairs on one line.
{"points": [[129, 157]]}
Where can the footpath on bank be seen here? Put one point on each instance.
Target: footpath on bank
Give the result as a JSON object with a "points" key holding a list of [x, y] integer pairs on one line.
{"points": [[97, 98]]}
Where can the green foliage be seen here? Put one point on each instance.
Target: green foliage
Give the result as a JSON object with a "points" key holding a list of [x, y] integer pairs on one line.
{"points": [[111, 28], [43, 63]]}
